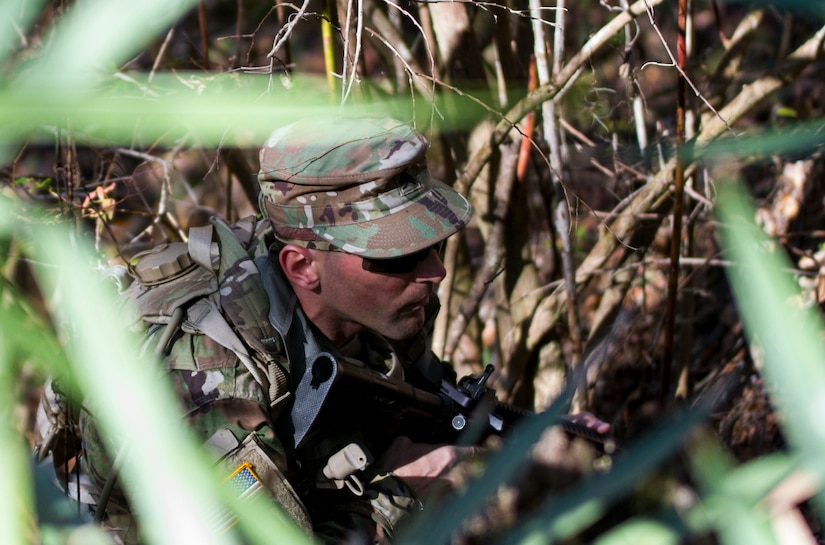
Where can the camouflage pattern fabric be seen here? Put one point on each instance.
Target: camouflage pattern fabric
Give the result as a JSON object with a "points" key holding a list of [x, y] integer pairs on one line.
{"points": [[373, 518], [218, 393], [361, 185]]}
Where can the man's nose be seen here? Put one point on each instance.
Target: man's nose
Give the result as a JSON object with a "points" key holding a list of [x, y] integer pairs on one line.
{"points": [[431, 269]]}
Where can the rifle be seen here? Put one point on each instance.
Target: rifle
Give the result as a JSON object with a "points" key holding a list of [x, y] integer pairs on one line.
{"points": [[343, 392]]}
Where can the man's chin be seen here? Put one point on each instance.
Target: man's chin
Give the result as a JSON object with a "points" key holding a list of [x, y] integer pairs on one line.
{"points": [[404, 328]]}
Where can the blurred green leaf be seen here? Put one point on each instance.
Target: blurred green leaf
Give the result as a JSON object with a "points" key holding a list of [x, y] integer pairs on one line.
{"points": [[437, 524], [15, 17], [564, 515], [33, 339], [790, 336], [17, 514], [794, 137], [6, 217], [753, 480], [785, 111], [231, 110], [224, 109], [639, 532], [87, 535], [732, 497], [74, 83], [173, 484], [94, 37]]}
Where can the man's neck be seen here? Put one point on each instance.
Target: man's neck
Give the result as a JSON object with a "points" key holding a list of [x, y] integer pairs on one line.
{"points": [[337, 331]]}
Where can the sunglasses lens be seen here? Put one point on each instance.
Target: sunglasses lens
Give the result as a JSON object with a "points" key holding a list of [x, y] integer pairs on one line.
{"points": [[400, 265]]}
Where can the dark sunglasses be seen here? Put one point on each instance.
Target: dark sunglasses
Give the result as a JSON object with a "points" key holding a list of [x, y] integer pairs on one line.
{"points": [[401, 265]]}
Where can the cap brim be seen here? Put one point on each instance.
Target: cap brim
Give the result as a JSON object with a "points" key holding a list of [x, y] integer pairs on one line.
{"points": [[436, 215]]}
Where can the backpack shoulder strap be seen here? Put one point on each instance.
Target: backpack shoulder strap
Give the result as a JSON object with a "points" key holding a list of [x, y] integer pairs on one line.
{"points": [[213, 284], [239, 321]]}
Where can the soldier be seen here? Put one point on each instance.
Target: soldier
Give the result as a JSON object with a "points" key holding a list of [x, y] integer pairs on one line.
{"points": [[350, 275]]}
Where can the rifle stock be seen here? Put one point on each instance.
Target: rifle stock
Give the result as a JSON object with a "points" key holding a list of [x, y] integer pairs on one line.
{"points": [[467, 412]]}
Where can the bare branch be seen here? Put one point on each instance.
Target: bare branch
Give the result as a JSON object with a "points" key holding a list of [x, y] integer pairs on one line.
{"points": [[546, 92]]}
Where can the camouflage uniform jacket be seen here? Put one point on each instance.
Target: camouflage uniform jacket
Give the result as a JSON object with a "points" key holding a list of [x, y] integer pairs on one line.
{"points": [[220, 394]]}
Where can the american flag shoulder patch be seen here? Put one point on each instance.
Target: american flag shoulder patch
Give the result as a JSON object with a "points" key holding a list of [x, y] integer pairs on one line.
{"points": [[246, 485], [244, 482]]}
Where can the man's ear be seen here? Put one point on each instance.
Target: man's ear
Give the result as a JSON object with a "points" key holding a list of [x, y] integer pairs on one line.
{"points": [[299, 266]]}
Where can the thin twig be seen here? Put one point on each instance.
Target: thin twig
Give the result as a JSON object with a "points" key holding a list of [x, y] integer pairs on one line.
{"points": [[561, 216], [546, 92], [285, 32], [678, 205], [349, 70], [204, 34], [651, 197], [494, 249], [163, 46], [674, 62]]}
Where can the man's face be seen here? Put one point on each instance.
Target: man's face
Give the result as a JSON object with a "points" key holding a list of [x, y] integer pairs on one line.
{"points": [[388, 296]]}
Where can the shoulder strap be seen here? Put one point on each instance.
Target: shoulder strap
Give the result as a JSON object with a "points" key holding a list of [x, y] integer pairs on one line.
{"points": [[201, 248], [213, 284], [240, 321]]}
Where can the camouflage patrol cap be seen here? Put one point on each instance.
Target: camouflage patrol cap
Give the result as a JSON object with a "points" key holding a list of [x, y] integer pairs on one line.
{"points": [[359, 184]]}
